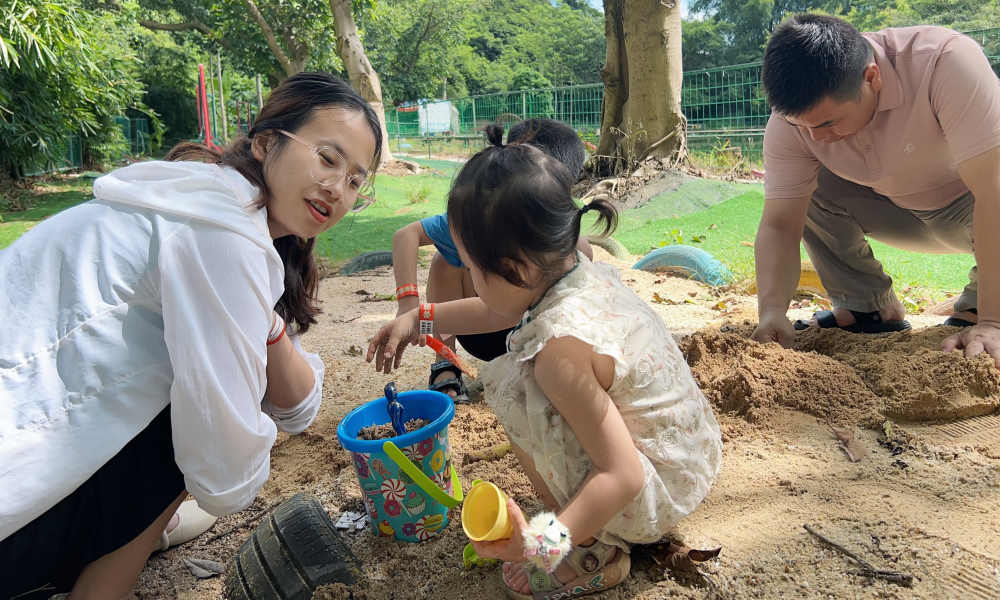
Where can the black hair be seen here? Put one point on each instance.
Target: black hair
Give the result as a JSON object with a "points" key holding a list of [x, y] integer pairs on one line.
{"points": [[812, 57], [288, 107], [515, 202], [555, 138]]}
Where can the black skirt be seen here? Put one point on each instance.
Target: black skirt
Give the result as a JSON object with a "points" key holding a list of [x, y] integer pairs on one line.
{"points": [[109, 510], [486, 346]]}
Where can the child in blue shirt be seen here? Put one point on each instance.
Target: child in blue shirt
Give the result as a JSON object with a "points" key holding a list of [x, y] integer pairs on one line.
{"points": [[449, 279]]}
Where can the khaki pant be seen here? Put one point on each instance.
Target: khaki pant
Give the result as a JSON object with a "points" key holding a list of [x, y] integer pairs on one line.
{"points": [[842, 214]]}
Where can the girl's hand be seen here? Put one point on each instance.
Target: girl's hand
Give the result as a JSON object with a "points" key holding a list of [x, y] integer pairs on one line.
{"points": [[388, 344], [511, 549], [406, 304]]}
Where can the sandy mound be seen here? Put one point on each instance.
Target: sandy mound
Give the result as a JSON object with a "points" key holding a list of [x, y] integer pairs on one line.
{"points": [[843, 377]]}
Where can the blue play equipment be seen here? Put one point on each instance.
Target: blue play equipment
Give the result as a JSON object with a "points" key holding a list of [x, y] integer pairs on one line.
{"points": [[688, 261]]}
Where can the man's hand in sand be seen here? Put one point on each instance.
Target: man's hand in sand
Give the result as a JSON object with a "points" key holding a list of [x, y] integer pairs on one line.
{"points": [[774, 328], [983, 337], [387, 347]]}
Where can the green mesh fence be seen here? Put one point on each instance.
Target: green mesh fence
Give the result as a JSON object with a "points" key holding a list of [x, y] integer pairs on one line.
{"points": [[725, 107], [136, 131], [71, 157], [140, 136]]}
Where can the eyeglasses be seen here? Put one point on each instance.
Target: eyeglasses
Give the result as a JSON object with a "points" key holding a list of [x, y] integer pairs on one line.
{"points": [[326, 168]]}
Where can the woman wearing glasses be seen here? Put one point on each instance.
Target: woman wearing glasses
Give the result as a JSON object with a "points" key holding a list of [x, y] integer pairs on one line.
{"points": [[149, 341]]}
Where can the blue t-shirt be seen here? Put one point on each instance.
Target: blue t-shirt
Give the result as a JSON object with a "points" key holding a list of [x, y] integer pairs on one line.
{"points": [[436, 228]]}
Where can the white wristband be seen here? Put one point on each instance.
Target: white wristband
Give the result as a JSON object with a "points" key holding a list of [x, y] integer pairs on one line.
{"points": [[426, 316]]}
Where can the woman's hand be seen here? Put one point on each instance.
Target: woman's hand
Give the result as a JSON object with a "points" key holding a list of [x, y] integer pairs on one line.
{"points": [[512, 548], [388, 344]]}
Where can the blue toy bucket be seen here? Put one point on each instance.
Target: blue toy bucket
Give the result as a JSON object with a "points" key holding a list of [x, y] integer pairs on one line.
{"points": [[406, 480]]}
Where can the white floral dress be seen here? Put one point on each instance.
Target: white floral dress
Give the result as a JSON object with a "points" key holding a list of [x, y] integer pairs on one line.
{"points": [[672, 425]]}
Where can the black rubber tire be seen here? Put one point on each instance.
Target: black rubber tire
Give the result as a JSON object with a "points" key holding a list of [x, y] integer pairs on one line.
{"points": [[367, 262], [294, 551]]}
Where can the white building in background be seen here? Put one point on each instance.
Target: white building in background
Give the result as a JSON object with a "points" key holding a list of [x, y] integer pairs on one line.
{"points": [[438, 117]]}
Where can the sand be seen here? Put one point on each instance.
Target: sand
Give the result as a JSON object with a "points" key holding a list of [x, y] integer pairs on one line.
{"points": [[384, 432], [932, 508]]}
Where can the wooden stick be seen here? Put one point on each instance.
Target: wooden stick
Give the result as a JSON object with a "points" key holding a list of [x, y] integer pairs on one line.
{"points": [[492, 453], [869, 569]]}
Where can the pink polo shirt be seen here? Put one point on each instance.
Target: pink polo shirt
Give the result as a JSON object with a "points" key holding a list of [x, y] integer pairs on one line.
{"points": [[939, 105]]}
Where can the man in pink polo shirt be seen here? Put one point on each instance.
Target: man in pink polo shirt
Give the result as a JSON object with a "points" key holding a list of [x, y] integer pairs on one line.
{"points": [[892, 135]]}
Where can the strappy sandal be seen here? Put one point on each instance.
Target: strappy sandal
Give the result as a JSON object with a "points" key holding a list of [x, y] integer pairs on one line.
{"points": [[455, 384], [595, 570], [864, 323]]}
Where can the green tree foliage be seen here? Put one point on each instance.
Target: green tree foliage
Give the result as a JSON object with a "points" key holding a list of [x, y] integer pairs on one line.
{"points": [[412, 45], [481, 46], [735, 31], [168, 71], [486, 44], [302, 31], [63, 69]]}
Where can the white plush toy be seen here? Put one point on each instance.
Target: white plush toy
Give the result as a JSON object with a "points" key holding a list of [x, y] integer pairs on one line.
{"points": [[546, 541]]}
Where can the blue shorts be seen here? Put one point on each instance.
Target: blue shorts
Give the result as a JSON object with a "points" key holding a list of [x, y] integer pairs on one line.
{"points": [[436, 228]]}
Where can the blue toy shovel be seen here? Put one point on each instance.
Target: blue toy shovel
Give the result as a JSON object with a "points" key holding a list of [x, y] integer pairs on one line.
{"points": [[395, 409]]}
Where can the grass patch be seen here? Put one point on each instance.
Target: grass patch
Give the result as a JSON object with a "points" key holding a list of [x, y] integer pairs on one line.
{"points": [[372, 229], [730, 225], [727, 225], [44, 201]]}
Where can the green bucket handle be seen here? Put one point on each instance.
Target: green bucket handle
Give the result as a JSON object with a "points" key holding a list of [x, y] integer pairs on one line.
{"points": [[424, 481]]}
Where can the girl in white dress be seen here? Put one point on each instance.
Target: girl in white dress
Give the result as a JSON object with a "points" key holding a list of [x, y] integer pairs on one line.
{"points": [[598, 403]]}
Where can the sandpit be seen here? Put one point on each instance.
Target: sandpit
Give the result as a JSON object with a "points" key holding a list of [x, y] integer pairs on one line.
{"points": [[926, 502]]}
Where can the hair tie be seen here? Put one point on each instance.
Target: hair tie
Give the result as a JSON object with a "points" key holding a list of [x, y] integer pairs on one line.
{"points": [[585, 208], [498, 144]]}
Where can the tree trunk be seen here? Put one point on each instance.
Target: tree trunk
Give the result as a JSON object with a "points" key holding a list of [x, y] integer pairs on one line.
{"points": [[363, 77], [641, 114], [290, 67]]}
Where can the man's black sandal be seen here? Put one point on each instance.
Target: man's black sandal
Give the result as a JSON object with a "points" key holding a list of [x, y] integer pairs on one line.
{"points": [[865, 323], [955, 322]]}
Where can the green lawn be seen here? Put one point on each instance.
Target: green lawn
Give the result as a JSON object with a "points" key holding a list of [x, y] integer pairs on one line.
{"points": [[727, 224], [64, 194], [372, 229], [724, 224]]}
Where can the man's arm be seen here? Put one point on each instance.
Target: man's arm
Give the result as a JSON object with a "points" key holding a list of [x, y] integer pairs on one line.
{"points": [[406, 244], [776, 254], [982, 175]]}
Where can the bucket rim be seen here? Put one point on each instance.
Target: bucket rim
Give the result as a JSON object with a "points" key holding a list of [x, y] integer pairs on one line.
{"points": [[353, 444]]}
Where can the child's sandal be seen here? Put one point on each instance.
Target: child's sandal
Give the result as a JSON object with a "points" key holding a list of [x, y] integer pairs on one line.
{"points": [[595, 571], [455, 383]]}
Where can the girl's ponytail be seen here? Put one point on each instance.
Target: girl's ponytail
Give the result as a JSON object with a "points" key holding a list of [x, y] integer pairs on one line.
{"points": [[494, 134], [606, 214]]}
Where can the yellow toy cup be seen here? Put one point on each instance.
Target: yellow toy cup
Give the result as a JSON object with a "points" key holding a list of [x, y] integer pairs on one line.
{"points": [[484, 514]]}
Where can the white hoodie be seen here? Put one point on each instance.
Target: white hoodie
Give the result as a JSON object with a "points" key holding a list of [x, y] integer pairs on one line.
{"points": [[160, 290]]}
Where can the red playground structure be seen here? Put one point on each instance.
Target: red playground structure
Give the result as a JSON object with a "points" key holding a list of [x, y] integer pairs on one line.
{"points": [[204, 120]]}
